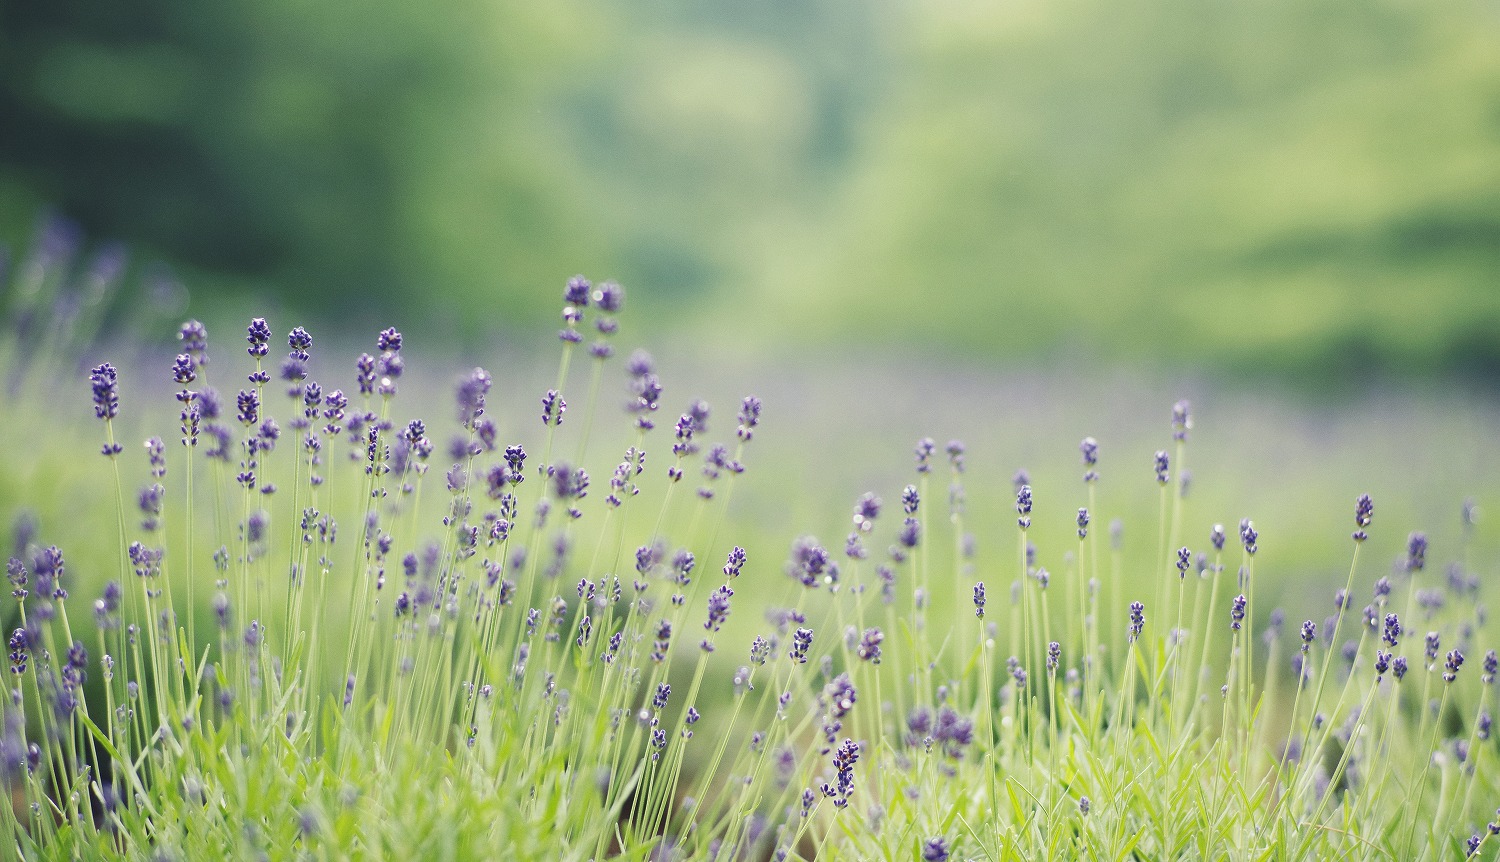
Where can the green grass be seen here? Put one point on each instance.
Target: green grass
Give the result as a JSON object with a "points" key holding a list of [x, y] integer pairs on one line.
{"points": [[409, 706]]}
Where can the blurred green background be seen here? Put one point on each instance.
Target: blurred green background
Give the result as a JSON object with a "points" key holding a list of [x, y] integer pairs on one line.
{"points": [[1305, 191]]}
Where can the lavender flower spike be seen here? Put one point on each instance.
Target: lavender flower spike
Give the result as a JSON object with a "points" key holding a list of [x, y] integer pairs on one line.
{"points": [[718, 608], [935, 850], [194, 338], [105, 383], [869, 645], [259, 336], [1137, 619], [183, 370], [1237, 612], [1416, 552], [1364, 511]]}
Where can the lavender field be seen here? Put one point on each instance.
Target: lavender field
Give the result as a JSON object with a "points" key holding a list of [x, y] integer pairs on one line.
{"points": [[977, 431], [381, 604]]}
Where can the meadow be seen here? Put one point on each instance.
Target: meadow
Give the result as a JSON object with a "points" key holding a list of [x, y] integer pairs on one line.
{"points": [[279, 598]]}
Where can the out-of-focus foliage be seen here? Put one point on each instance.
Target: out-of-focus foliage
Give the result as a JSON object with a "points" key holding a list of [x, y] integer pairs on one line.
{"points": [[1283, 186], [362, 151], [1311, 189]]}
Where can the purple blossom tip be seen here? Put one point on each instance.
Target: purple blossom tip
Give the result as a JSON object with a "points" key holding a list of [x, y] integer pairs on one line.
{"points": [[609, 297], [576, 292], [104, 381], [183, 369], [258, 334]]}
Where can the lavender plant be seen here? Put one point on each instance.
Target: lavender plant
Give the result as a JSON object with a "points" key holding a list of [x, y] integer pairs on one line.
{"points": [[330, 635]]}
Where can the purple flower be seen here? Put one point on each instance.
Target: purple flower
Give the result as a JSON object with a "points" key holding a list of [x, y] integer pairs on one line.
{"points": [[1392, 630], [300, 342], [48, 567], [389, 340], [104, 381], [1023, 506], [472, 390], [1248, 535], [15, 572], [553, 407], [954, 731], [979, 600], [687, 425], [1017, 672], [76, 663], [911, 533], [866, 510], [663, 641], [801, 643], [1161, 464], [843, 764], [1216, 537], [333, 410], [577, 291], [1182, 422], [194, 338], [718, 608], [1364, 510], [364, 372], [699, 411], [1184, 560], [567, 483], [1237, 612], [869, 645], [648, 557], [735, 562], [935, 850], [1416, 552], [925, 448], [682, 567], [293, 370], [248, 407], [1137, 619], [183, 370], [741, 680], [20, 650], [810, 562], [919, 721], [749, 417], [1451, 666], [909, 499], [1090, 449], [1054, 654], [259, 336], [840, 694], [955, 450], [760, 651], [610, 297]]}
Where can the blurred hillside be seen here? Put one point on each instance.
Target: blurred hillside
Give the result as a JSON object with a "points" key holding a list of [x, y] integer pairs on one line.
{"points": [[1300, 190]]}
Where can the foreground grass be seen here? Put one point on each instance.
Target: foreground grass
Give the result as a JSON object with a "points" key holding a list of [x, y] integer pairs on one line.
{"points": [[414, 649]]}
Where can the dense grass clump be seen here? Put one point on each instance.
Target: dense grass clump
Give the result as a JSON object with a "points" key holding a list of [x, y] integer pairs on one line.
{"points": [[337, 630]]}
